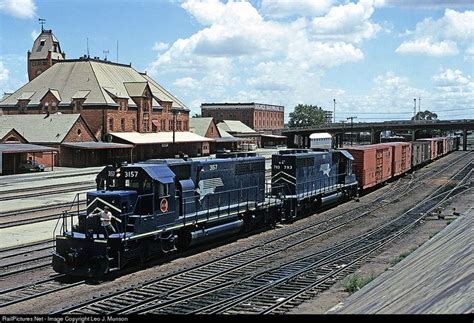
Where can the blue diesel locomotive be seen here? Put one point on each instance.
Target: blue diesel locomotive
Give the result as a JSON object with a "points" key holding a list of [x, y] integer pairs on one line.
{"points": [[159, 206], [312, 179]]}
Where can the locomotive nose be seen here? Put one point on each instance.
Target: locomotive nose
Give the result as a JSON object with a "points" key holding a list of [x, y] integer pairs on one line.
{"points": [[118, 202]]}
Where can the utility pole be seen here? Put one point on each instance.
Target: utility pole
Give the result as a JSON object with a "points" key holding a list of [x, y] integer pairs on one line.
{"points": [[334, 114], [414, 110], [352, 124], [174, 112], [105, 54], [419, 104]]}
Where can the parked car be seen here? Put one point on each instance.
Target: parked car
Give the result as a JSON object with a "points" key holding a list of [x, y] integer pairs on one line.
{"points": [[31, 166]]}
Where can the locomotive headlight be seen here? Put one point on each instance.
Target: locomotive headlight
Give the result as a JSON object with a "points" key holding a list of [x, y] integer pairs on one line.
{"points": [[117, 172]]}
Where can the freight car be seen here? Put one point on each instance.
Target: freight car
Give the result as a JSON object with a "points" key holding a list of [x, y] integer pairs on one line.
{"points": [[421, 153], [163, 205], [401, 157], [436, 147], [320, 141], [372, 164]]}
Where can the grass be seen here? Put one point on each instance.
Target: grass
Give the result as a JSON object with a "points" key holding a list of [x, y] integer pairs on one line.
{"points": [[401, 256], [356, 282]]}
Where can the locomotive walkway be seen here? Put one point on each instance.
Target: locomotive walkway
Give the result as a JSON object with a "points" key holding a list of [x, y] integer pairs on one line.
{"points": [[438, 278]]}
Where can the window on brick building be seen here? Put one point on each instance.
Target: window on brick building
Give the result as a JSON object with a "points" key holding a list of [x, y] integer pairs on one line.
{"points": [[163, 125], [111, 124], [122, 124], [170, 124], [134, 126]]}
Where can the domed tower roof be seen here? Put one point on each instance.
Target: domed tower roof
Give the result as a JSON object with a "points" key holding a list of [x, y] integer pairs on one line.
{"points": [[46, 42]]}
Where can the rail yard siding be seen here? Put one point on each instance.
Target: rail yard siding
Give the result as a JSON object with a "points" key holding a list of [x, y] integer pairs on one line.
{"points": [[436, 278]]}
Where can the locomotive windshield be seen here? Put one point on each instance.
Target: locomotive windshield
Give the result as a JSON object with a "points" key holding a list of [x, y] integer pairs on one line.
{"points": [[115, 184]]}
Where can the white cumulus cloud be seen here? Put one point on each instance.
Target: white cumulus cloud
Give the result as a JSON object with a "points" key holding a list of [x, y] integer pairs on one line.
{"points": [[18, 8], [429, 48], [160, 46], [4, 73], [441, 37], [349, 22], [247, 53], [34, 34], [286, 8]]}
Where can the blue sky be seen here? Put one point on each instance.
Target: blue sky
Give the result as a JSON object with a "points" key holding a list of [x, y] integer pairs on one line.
{"points": [[372, 56]]}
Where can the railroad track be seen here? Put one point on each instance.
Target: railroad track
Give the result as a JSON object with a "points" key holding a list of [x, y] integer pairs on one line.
{"points": [[46, 190], [37, 209], [46, 286], [28, 178], [30, 220], [20, 259], [225, 272]]}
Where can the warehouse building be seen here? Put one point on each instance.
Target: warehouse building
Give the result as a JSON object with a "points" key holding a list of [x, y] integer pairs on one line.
{"points": [[222, 141], [67, 134], [260, 117]]}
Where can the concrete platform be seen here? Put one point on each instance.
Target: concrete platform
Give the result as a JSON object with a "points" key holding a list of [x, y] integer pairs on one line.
{"points": [[437, 278], [25, 234]]}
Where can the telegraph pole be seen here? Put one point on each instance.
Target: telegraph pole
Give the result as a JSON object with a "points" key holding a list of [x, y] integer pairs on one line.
{"points": [[334, 114], [352, 120], [414, 109]]}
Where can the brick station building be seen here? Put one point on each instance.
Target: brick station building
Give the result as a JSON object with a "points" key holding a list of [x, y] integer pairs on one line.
{"points": [[110, 97], [260, 117]]}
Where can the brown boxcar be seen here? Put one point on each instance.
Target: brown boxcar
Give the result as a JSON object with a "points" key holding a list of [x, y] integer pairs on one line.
{"points": [[420, 152], [401, 157], [433, 147], [372, 164]]}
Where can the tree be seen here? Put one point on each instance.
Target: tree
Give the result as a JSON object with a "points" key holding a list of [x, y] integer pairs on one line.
{"points": [[425, 115], [427, 133], [197, 115], [306, 115]]}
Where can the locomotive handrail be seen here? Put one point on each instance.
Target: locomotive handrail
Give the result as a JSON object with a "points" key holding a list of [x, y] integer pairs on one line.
{"points": [[218, 195], [67, 213]]}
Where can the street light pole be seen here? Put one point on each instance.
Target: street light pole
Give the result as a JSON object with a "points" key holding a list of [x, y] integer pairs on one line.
{"points": [[334, 114], [352, 119]]}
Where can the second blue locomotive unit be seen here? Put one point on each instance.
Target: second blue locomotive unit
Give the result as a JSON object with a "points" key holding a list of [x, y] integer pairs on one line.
{"points": [[159, 206]]}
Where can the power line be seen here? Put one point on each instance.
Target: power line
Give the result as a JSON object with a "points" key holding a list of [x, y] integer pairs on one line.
{"points": [[407, 112]]}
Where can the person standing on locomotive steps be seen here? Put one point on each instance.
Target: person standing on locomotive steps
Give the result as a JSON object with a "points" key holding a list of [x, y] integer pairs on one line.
{"points": [[106, 220]]}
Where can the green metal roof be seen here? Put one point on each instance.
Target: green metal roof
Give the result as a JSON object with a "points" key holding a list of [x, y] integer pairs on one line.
{"points": [[235, 126], [200, 125], [37, 128]]}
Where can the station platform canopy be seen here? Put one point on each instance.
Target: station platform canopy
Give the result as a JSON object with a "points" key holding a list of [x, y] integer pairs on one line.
{"points": [[96, 145], [159, 137], [24, 148]]}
